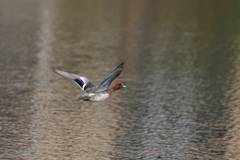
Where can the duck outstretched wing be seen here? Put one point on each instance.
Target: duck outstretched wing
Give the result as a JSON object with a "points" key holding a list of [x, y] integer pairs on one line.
{"points": [[104, 85], [84, 83]]}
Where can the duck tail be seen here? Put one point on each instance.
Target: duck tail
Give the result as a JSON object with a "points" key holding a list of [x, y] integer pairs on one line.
{"points": [[83, 99]]}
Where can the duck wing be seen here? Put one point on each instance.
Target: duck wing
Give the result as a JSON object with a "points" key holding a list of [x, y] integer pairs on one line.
{"points": [[104, 85], [84, 83]]}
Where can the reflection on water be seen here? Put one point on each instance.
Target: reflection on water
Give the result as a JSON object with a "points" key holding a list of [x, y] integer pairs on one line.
{"points": [[181, 69]]}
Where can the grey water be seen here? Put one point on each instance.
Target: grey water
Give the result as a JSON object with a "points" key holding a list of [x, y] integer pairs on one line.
{"points": [[182, 72]]}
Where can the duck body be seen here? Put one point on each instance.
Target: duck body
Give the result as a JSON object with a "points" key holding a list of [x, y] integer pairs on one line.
{"points": [[96, 96], [95, 93]]}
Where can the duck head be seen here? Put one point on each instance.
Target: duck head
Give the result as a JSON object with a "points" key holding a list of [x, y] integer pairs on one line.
{"points": [[117, 86]]}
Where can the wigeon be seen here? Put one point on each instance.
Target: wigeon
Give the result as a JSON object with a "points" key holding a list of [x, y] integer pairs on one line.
{"points": [[95, 93]]}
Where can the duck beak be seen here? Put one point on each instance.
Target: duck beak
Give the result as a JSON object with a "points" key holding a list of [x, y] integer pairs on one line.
{"points": [[124, 86]]}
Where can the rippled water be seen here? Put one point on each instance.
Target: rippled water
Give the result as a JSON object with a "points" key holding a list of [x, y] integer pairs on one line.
{"points": [[181, 67]]}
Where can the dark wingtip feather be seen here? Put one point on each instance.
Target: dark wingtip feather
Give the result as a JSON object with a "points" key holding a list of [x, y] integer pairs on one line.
{"points": [[121, 64], [54, 70]]}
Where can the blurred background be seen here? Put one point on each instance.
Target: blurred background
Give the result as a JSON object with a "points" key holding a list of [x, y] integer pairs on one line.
{"points": [[181, 67]]}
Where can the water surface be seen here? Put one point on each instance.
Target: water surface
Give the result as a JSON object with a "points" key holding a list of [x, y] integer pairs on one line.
{"points": [[181, 68]]}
